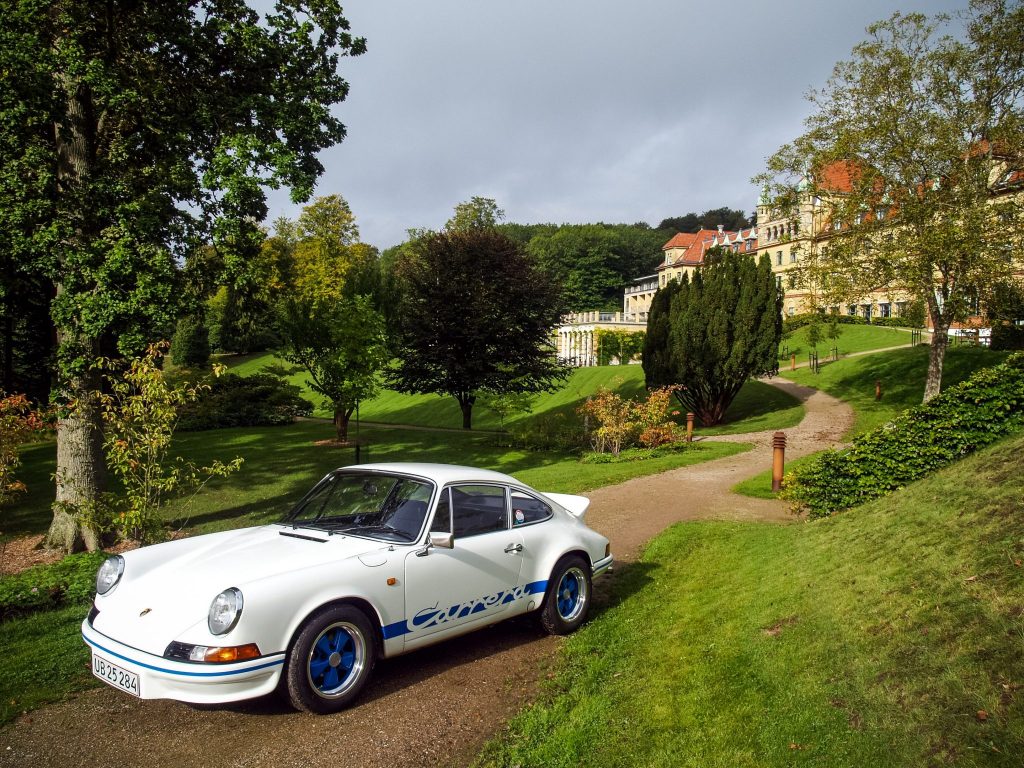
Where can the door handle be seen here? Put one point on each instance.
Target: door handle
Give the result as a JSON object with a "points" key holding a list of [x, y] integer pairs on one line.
{"points": [[513, 548]]}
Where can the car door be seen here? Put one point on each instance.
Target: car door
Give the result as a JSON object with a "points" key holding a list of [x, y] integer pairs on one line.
{"points": [[449, 591]]}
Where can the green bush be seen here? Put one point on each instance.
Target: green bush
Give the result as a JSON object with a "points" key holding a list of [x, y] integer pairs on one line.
{"points": [[546, 432], [190, 347], [962, 419], [245, 401], [633, 454], [71, 580]]}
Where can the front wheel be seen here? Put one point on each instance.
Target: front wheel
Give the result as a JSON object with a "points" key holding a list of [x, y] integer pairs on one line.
{"points": [[331, 660], [567, 600]]}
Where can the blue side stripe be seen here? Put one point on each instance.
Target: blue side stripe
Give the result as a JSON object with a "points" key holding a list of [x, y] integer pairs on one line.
{"points": [[176, 672], [399, 628]]}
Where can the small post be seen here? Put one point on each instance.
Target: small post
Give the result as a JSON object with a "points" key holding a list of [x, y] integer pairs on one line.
{"points": [[689, 427], [778, 459], [878, 389], [792, 362]]}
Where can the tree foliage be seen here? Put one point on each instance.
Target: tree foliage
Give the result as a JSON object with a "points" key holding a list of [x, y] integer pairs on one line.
{"points": [[329, 312], [476, 317], [928, 129], [131, 132], [709, 335], [694, 222]]}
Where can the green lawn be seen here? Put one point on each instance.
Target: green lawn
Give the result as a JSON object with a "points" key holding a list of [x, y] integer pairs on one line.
{"points": [[282, 463], [890, 635], [902, 373], [852, 338], [757, 407]]}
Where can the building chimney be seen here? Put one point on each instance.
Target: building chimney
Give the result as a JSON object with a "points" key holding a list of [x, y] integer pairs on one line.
{"points": [[721, 228]]}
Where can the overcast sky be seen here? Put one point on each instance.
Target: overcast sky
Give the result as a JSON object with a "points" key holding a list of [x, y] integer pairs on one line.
{"points": [[576, 110]]}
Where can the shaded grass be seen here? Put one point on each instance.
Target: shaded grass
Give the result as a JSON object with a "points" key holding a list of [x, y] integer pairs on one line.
{"points": [[875, 637], [756, 405], [44, 660]]}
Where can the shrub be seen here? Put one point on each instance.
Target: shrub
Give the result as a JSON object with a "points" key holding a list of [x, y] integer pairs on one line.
{"points": [[621, 423], [190, 347], [250, 401], [71, 580], [546, 432], [17, 423], [962, 419]]}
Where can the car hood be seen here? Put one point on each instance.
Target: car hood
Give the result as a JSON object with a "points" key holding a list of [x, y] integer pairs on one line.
{"points": [[164, 594]]}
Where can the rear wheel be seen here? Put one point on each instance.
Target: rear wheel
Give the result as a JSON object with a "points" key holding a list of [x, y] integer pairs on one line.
{"points": [[331, 660], [567, 601]]}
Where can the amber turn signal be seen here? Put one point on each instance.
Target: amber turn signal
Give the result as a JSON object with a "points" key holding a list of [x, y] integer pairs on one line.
{"points": [[234, 653]]}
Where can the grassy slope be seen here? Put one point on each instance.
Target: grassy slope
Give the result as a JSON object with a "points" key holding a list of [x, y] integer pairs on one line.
{"points": [[852, 380], [853, 338], [872, 638], [756, 405]]}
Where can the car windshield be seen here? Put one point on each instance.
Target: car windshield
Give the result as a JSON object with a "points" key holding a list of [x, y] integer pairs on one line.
{"points": [[370, 504]]}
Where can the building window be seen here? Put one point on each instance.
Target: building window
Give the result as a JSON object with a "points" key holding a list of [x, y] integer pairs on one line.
{"points": [[792, 258], [881, 213], [792, 280], [778, 259], [859, 218], [750, 243], [852, 310], [791, 311], [837, 225], [867, 311], [885, 310], [778, 282]]}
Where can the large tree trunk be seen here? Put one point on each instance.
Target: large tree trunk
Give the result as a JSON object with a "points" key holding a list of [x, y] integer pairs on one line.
{"points": [[81, 471], [341, 419], [466, 404]]}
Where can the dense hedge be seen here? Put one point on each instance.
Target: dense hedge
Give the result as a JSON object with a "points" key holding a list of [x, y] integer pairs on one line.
{"points": [[962, 419], [71, 580], [245, 401]]}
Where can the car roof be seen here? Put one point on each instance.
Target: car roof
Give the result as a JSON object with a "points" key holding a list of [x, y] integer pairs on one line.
{"points": [[439, 473]]}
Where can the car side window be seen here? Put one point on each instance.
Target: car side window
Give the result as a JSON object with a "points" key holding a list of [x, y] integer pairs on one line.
{"points": [[478, 509], [528, 509], [443, 516]]}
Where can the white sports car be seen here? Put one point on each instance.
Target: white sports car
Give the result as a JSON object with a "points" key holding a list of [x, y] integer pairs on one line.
{"points": [[375, 561]]}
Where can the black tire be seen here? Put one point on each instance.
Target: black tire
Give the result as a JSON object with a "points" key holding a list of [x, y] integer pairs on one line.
{"points": [[330, 660], [567, 599]]}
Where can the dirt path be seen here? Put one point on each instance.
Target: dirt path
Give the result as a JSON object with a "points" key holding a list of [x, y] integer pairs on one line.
{"points": [[433, 707]]}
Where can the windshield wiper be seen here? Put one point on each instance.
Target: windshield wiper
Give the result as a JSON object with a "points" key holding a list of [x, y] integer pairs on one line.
{"points": [[381, 527]]}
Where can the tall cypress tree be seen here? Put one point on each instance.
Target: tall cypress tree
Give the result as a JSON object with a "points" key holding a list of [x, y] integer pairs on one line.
{"points": [[722, 327]]}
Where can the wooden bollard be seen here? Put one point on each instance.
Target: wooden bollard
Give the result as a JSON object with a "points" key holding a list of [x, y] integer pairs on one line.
{"points": [[778, 459], [878, 389], [689, 427], [792, 362]]}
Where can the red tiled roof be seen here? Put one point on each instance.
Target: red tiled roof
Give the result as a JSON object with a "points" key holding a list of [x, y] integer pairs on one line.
{"points": [[680, 240]]}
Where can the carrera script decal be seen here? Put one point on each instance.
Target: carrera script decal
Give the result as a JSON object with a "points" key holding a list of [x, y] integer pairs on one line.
{"points": [[435, 616]]}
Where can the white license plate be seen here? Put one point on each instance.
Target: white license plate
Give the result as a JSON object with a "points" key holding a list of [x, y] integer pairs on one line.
{"points": [[115, 675]]}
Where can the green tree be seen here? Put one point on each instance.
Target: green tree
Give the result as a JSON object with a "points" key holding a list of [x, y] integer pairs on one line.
{"points": [[477, 213], [130, 132], [329, 312], [477, 317], [723, 327], [190, 347], [928, 128], [694, 222]]}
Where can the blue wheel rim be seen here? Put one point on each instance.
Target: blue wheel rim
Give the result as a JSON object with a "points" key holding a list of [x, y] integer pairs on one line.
{"points": [[571, 595], [337, 657]]}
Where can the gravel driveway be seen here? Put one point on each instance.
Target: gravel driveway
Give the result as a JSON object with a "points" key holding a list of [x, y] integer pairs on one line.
{"points": [[433, 707]]}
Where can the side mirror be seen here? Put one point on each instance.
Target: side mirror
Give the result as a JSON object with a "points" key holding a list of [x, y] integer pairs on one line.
{"points": [[442, 540]]}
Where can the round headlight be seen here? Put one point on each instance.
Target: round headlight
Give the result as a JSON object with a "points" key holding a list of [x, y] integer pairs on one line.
{"points": [[224, 611], [109, 574]]}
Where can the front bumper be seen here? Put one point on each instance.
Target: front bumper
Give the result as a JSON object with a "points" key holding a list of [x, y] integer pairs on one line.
{"points": [[603, 566], [161, 678]]}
